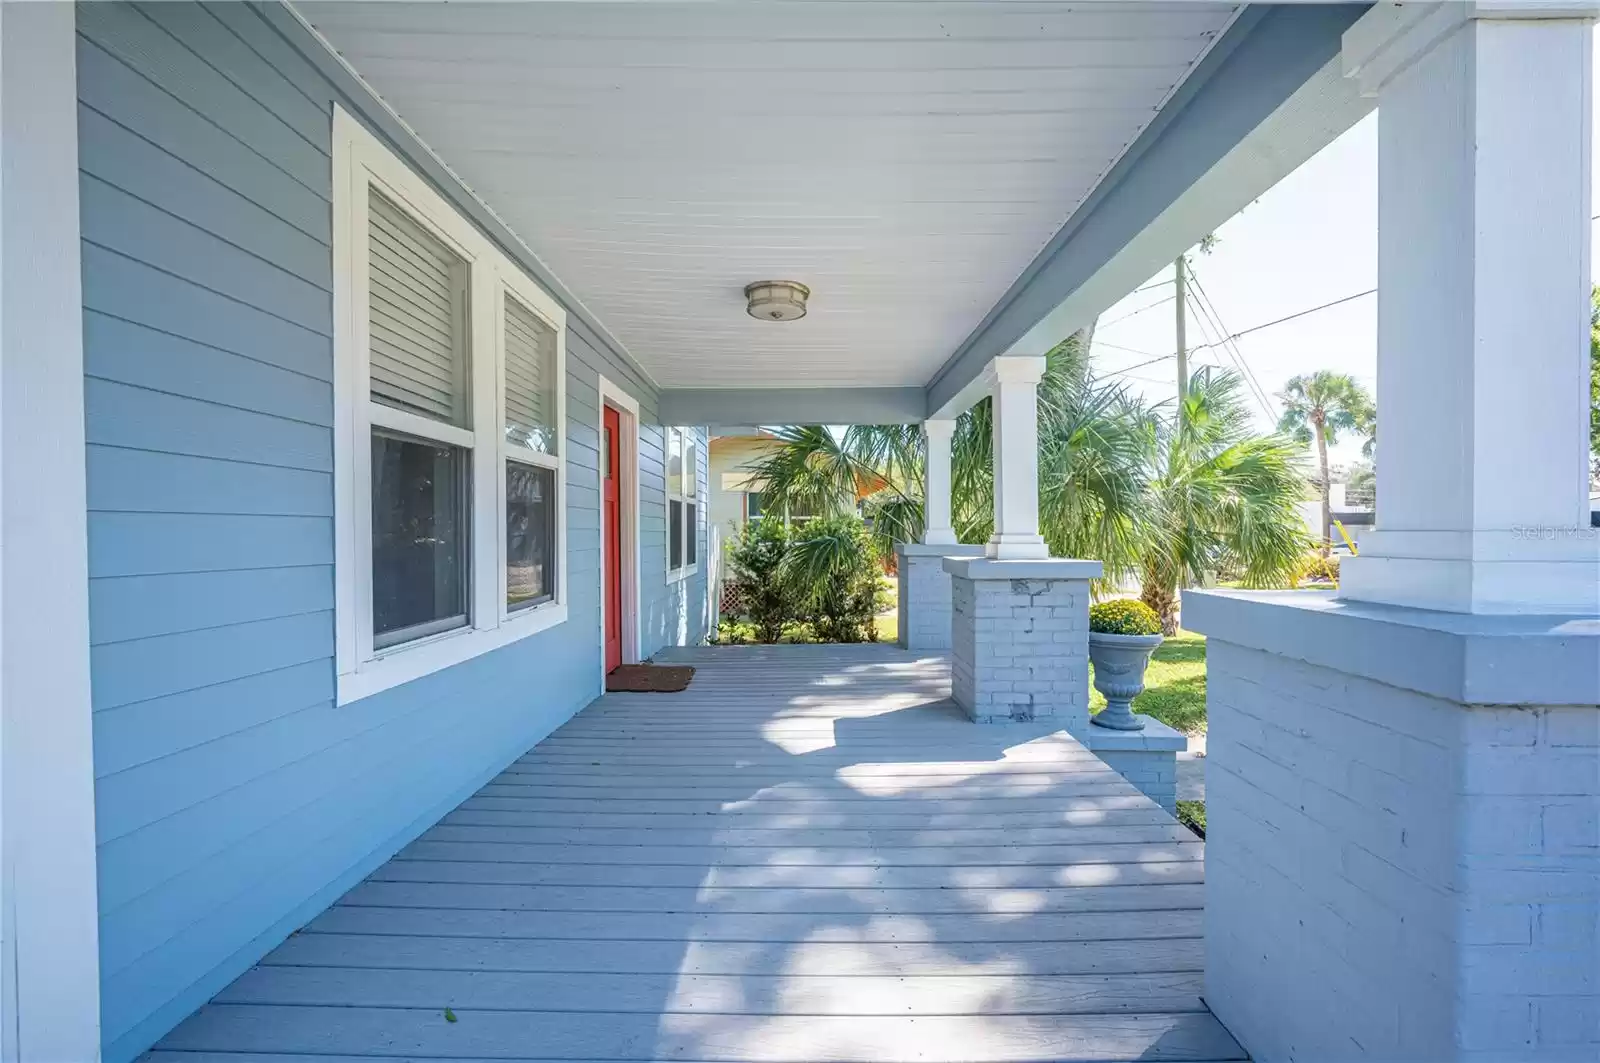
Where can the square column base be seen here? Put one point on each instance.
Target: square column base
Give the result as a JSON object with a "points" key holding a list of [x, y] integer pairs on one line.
{"points": [[1527, 571], [1403, 816], [1148, 759], [924, 593], [1019, 645]]}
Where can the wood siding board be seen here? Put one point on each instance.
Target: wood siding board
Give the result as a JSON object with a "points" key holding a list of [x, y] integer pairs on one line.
{"points": [[131, 480], [225, 52], [123, 287], [116, 155], [142, 731], [121, 415], [146, 48], [128, 353], [111, 88], [121, 222], [135, 608]]}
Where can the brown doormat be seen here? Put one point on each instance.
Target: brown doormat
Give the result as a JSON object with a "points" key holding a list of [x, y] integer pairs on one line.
{"points": [[650, 678]]}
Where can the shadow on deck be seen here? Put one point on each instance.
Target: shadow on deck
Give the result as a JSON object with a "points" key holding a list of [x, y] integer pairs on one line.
{"points": [[809, 855]]}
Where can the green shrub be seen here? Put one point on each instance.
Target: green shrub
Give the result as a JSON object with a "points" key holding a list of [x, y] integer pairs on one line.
{"points": [[757, 556], [832, 575], [1124, 616], [1192, 814], [732, 631]]}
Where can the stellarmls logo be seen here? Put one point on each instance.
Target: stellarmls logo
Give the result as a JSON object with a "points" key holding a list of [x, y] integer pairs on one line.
{"points": [[1553, 532]]}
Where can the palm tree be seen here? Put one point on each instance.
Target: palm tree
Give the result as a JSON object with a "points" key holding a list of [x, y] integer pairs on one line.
{"points": [[1319, 407], [1091, 439], [811, 469], [1223, 498]]}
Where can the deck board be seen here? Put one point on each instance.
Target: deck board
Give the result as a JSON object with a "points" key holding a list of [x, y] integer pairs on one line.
{"points": [[807, 857]]}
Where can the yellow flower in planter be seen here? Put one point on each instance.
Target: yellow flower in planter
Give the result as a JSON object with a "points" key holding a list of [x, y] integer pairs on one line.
{"points": [[1124, 616]]}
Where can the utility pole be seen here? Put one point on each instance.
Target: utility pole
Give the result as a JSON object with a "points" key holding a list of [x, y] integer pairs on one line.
{"points": [[1179, 283]]}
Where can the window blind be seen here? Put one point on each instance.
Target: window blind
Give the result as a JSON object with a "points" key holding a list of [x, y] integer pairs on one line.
{"points": [[530, 378], [418, 317]]}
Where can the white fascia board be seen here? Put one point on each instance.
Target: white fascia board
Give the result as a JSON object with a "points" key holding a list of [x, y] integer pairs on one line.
{"points": [[1267, 97]]}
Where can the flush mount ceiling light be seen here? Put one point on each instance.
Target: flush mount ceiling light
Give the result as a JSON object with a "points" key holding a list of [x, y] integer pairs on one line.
{"points": [[777, 300]]}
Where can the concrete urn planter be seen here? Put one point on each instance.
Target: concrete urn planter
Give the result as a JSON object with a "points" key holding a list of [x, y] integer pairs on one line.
{"points": [[1119, 663]]}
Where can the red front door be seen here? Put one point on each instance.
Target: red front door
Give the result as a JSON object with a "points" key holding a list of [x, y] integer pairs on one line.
{"points": [[612, 545]]}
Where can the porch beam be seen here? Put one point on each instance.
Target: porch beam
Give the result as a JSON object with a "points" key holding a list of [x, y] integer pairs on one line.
{"points": [[718, 407], [49, 911], [1268, 96]]}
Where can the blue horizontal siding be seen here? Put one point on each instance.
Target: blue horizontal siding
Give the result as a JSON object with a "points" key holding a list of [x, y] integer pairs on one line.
{"points": [[234, 799]]}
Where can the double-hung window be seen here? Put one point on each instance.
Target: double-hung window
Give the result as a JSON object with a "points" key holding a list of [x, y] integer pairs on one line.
{"points": [[449, 430], [683, 502]]}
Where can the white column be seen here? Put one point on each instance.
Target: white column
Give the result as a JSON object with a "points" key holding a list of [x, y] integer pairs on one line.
{"points": [[1014, 385], [49, 950], [1483, 309], [938, 529]]}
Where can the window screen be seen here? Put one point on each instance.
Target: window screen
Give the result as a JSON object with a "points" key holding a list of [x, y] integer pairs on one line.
{"points": [[530, 379], [417, 317]]}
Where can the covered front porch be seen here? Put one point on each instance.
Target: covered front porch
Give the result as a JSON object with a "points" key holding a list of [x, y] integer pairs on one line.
{"points": [[214, 724], [808, 855]]}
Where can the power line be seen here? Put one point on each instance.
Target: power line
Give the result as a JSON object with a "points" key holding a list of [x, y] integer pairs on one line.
{"points": [[1209, 309], [1138, 365], [1291, 317], [1098, 342], [1227, 339], [1133, 313]]}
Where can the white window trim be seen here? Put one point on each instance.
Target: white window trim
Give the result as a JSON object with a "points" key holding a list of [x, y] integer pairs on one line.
{"points": [[691, 496], [361, 160]]}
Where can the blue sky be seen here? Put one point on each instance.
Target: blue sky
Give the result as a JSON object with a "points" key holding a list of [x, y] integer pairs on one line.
{"points": [[1310, 240]]}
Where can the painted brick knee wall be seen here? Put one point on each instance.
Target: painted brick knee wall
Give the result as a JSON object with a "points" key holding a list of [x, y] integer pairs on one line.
{"points": [[924, 603], [1398, 877], [1020, 650]]}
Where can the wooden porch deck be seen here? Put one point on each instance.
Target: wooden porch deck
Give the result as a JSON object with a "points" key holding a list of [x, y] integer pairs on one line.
{"points": [[808, 856]]}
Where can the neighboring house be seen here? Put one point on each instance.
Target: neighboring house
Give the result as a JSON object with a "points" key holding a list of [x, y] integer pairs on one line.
{"points": [[1342, 510], [736, 491], [735, 494]]}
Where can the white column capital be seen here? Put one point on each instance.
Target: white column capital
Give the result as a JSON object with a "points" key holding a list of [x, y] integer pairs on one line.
{"points": [[1015, 369], [939, 431], [1391, 37]]}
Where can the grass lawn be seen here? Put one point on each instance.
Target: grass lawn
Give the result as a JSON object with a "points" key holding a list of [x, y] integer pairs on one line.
{"points": [[1175, 685], [888, 625]]}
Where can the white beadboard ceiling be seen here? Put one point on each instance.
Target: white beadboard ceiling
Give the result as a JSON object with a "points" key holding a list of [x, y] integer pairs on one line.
{"points": [[905, 160]]}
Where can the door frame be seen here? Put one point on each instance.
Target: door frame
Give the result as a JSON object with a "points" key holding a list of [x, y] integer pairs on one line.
{"points": [[627, 407]]}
